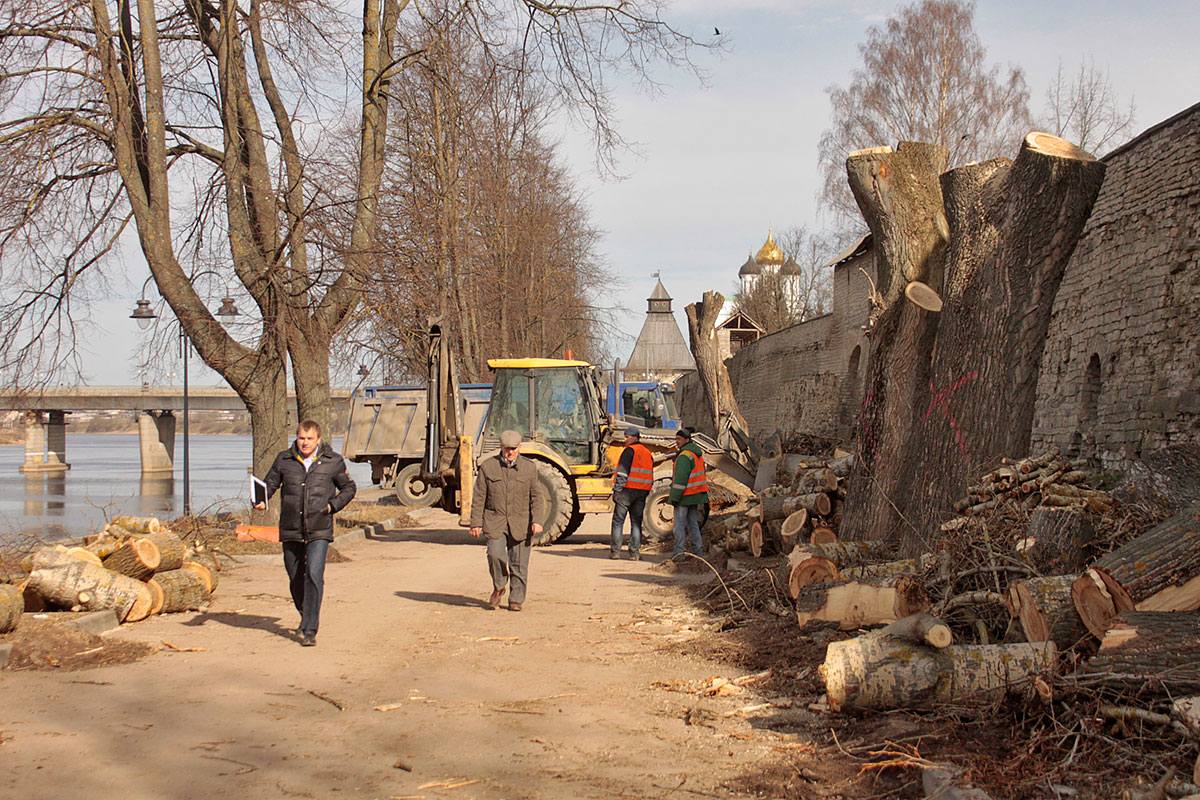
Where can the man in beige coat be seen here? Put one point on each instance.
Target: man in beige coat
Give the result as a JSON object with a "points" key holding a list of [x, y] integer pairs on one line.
{"points": [[506, 502]]}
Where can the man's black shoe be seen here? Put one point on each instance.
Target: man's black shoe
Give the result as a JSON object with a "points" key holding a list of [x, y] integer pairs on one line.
{"points": [[308, 640]]}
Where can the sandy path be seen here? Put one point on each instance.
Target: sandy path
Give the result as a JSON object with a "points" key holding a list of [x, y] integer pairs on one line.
{"points": [[556, 701]]}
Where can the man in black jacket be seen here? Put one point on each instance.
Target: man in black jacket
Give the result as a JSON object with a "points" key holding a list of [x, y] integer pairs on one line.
{"points": [[315, 486]]}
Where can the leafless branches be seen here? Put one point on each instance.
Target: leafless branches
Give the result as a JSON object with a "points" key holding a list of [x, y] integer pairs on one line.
{"points": [[924, 77], [1084, 109]]}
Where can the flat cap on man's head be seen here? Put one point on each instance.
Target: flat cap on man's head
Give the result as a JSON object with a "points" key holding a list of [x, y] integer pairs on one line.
{"points": [[685, 433], [633, 431], [510, 439]]}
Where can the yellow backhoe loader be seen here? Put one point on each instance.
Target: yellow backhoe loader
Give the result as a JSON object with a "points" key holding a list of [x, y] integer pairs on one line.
{"points": [[558, 406]]}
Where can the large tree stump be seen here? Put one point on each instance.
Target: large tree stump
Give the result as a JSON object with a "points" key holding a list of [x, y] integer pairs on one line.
{"points": [[1146, 653], [137, 557], [183, 590], [1099, 599], [856, 604], [171, 549], [1058, 541], [950, 391], [12, 605], [878, 671], [1161, 568], [71, 583], [1046, 611]]}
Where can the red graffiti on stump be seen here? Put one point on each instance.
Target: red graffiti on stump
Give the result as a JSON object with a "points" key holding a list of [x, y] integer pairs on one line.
{"points": [[941, 400]]}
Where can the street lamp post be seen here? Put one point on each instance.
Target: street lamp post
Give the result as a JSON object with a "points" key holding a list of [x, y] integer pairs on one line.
{"points": [[144, 315]]}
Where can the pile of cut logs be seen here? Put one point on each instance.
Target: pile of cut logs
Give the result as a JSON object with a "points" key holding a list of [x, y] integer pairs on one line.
{"points": [[136, 567], [803, 505], [1123, 624]]}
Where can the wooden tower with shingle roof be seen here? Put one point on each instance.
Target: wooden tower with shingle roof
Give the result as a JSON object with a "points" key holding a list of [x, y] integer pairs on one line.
{"points": [[661, 354]]}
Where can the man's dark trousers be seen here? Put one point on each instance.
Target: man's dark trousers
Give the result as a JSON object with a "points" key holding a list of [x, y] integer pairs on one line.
{"points": [[305, 565], [508, 561]]}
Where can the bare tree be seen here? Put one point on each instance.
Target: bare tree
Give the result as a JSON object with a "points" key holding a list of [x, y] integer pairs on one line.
{"points": [[193, 119], [924, 77], [482, 227], [1084, 109]]}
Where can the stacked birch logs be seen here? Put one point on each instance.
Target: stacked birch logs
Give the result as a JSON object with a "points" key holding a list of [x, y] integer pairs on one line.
{"points": [[136, 567], [1046, 480]]}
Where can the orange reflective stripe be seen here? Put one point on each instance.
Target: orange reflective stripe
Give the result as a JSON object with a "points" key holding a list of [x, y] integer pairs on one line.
{"points": [[698, 479], [641, 473]]}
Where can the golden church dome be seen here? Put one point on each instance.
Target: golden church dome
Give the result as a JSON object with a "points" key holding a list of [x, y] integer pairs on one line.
{"points": [[769, 253]]}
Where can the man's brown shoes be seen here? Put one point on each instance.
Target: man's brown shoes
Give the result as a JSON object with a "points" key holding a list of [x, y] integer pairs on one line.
{"points": [[494, 600]]}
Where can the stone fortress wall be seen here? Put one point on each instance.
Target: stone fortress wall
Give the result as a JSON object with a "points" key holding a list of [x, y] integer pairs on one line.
{"points": [[1121, 371]]}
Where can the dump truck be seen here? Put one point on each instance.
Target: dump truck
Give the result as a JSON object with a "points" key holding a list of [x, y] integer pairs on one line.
{"points": [[387, 428], [558, 405]]}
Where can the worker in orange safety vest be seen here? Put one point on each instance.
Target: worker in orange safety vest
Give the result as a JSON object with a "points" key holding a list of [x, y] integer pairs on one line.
{"points": [[631, 487], [689, 493]]}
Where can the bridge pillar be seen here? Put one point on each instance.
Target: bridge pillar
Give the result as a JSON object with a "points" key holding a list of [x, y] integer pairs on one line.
{"points": [[45, 442], [156, 440]]}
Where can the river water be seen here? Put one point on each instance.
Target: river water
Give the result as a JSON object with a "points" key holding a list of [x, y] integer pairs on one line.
{"points": [[105, 480]]}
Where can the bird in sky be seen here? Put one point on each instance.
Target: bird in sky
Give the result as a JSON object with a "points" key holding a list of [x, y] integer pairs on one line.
{"points": [[716, 31]]}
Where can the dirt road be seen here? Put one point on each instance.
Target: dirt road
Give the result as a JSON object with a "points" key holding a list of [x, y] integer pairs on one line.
{"points": [[558, 701]]}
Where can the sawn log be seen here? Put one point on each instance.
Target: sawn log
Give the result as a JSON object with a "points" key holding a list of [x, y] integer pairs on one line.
{"points": [[855, 604], [879, 671], [1161, 568]]}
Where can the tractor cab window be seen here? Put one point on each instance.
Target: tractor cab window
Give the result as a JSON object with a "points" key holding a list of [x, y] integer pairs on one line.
{"points": [[642, 407], [549, 404], [670, 411], [560, 412], [509, 408]]}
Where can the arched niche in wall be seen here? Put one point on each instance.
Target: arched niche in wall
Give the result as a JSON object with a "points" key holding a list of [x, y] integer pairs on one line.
{"points": [[850, 396], [1083, 442]]}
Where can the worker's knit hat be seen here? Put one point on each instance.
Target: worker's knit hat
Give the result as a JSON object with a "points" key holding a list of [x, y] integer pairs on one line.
{"points": [[685, 433], [633, 431]]}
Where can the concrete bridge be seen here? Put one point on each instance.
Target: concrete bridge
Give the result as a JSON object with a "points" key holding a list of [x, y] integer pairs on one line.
{"points": [[46, 411]]}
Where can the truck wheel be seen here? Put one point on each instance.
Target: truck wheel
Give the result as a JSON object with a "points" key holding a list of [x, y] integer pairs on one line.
{"points": [[414, 492], [559, 504], [658, 522]]}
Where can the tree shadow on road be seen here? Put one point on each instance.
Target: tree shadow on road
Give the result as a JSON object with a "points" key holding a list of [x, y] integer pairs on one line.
{"points": [[248, 621], [444, 599]]}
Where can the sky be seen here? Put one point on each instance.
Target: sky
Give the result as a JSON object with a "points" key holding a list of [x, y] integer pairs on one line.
{"points": [[719, 165]]}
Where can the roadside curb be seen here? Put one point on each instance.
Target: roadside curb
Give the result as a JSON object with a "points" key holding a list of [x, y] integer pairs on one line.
{"points": [[96, 622]]}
